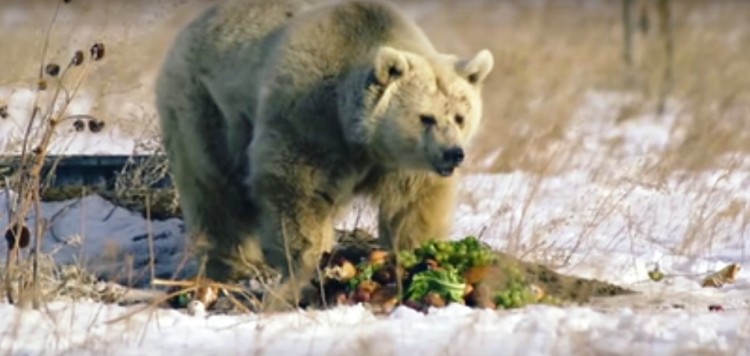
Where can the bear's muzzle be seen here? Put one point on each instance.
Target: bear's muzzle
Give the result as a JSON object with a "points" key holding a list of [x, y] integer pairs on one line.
{"points": [[451, 159]]}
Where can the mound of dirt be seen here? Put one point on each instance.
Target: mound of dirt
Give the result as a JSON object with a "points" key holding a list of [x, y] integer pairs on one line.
{"points": [[489, 281]]}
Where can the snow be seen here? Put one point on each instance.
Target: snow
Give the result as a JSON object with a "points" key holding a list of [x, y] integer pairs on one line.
{"points": [[83, 328], [454, 330], [21, 101], [614, 223]]}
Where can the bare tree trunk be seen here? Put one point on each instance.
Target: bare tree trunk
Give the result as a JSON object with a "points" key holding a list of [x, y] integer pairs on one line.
{"points": [[644, 24], [667, 37], [627, 26]]}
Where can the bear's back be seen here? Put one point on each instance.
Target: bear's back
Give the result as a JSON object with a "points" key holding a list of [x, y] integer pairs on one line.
{"points": [[242, 23], [351, 29]]}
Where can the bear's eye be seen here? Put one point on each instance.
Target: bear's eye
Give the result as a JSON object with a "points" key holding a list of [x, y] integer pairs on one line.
{"points": [[428, 120], [459, 119]]}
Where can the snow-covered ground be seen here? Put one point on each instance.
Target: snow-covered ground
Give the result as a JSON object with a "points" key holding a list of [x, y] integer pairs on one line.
{"points": [[82, 328], [602, 217], [112, 141]]}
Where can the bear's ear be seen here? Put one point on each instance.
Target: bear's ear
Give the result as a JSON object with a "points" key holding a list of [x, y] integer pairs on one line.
{"points": [[390, 64], [476, 69]]}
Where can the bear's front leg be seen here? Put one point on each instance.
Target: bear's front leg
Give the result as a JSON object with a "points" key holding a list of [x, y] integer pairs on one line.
{"points": [[415, 208], [296, 222]]}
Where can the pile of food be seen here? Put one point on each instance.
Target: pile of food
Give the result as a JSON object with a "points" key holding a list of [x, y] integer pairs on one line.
{"points": [[431, 275], [359, 270]]}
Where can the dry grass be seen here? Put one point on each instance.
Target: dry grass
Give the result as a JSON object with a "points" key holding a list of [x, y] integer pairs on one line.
{"points": [[550, 54], [138, 33], [55, 87]]}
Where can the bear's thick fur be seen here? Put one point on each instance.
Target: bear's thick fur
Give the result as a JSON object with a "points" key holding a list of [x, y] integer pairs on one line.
{"points": [[276, 113]]}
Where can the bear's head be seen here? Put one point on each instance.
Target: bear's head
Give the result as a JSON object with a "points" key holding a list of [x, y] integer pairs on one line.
{"points": [[415, 112]]}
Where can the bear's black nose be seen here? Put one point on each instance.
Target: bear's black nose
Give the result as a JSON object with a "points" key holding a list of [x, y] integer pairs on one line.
{"points": [[454, 155]]}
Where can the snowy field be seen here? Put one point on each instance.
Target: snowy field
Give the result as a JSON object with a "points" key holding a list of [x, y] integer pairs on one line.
{"points": [[607, 206], [614, 226]]}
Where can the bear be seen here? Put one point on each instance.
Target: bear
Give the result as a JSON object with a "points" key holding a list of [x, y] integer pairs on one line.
{"points": [[276, 114]]}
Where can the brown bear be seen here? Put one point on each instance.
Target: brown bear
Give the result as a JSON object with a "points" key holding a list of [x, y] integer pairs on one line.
{"points": [[276, 113]]}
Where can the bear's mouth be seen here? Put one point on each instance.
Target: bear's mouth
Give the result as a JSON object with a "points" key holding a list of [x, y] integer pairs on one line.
{"points": [[445, 172]]}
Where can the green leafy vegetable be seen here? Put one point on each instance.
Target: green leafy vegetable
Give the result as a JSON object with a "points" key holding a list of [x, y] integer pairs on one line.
{"points": [[462, 254], [366, 270], [408, 259], [517, 294], [445, 281], [514, 297]]}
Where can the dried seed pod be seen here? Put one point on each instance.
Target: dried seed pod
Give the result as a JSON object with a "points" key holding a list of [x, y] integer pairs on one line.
{"points": [[77, 58], [78, 125], [4, 111], [18, 234], [96, 125], [52, 69], [97, 51]]}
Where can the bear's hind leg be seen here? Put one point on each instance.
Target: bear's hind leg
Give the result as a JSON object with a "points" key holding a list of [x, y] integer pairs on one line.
{"points": [[214, 204]]}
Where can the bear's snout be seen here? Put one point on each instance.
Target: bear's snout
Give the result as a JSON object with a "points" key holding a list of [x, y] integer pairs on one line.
{"points": [[453, 156], [450, 160]]}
